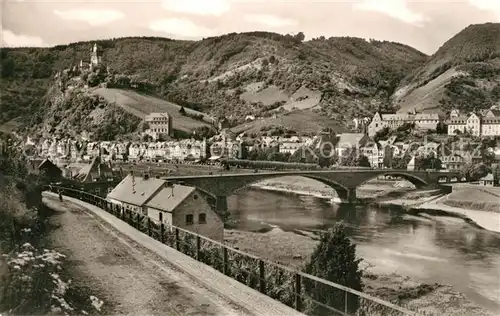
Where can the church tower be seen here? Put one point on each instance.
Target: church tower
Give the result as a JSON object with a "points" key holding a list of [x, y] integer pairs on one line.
{"points": [[94, 58]]}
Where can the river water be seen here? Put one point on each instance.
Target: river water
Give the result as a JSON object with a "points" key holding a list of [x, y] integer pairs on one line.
{"points": [[429, 249]]}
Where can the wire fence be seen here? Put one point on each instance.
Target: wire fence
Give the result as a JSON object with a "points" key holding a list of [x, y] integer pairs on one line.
{"points": [[304, 292]]}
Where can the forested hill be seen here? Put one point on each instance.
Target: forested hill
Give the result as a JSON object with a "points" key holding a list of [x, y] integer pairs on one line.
{"points": [[238, 74], [464, 73]]}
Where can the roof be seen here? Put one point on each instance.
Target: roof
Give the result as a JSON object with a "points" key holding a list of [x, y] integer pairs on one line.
{"points": [[462, 119], [93, 166], [136, 194], [427, 116], [157, 115], [398, 117], [47, 163], [491, 120], [168, 198], [488, 177], [495, 112], [350, 138]]}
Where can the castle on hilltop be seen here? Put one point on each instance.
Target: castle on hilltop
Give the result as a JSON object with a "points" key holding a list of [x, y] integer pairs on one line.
{"points": [[95, 59]]}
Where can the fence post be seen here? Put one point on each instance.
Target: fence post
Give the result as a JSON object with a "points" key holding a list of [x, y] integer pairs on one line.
{"points": [[162, 233], [224, 261], [177, 246], [345, 302], [198, 246], [297, 290], [262, 275]]}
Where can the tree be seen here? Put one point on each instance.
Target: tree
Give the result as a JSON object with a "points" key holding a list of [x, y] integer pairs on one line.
{"points": [[474, 172], [429, 162], [382, 134], [334, 259], [351, 158], [304, 155], [496, 173], [300, 37], [363, 161]]}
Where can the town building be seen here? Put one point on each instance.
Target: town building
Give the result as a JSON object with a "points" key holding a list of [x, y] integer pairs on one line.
{"points": [[425, 121], [374, 152], [47, 169], [488, 180], [476, 124], [95, 171], [160, 125], [171, 204], [454, 162], [291, 144], [347, 141]]}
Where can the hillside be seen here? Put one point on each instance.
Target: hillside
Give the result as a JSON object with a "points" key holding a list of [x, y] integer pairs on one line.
{"points": [[463, 73], [304, 121], [140, 105], [230, 76]]}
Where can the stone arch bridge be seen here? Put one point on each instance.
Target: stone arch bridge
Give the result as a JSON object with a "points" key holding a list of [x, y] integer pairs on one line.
{"points": [[344, 181]]}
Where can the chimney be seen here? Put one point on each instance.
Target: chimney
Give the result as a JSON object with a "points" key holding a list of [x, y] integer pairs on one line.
{"points": [[170, 184]]}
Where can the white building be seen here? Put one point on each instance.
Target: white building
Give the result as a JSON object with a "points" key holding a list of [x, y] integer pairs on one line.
{"points": [[475, 124], [425, 121], [160, 125]]}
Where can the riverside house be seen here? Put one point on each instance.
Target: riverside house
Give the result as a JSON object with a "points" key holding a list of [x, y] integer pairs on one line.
{"points": [[172, 204]]}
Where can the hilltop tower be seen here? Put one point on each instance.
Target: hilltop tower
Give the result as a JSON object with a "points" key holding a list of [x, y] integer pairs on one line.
{"points": [[95, 59]]}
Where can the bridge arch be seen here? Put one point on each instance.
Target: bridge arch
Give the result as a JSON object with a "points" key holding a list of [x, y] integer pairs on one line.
{"points": [[417, 181], [218, 188], [341, 190]]}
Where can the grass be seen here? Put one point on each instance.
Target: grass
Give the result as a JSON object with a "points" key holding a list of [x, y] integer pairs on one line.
{"points": [[141, 105], [475, 194], [10, 126]]}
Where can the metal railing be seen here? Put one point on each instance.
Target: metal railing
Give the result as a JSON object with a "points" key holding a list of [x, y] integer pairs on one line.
{"points": [[304, 292]]}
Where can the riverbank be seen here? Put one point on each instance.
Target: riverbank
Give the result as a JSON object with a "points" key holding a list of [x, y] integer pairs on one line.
{"points": [[454, 205], [293, 248], [476, 205]]}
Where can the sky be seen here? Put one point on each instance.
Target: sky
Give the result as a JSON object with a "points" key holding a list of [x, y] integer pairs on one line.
{"points": [[424, 25]]}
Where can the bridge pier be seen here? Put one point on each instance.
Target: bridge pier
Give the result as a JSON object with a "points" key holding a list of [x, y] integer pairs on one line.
{"points": [[351, 195], [221, 204]]}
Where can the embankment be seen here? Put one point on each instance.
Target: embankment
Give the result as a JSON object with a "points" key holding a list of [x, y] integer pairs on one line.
{"points": [[33, 276]]}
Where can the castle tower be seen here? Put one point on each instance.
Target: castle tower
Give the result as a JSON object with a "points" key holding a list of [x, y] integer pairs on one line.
{"points": [[94, 58]]}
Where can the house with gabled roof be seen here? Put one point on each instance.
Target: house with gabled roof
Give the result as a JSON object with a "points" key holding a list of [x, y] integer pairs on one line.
{"points": [[95, 171], [168, 203]]}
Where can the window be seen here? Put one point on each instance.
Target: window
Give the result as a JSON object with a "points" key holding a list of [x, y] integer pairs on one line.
{"points": [[160, 217], [189, 219], [202, 218], [195, 197]]}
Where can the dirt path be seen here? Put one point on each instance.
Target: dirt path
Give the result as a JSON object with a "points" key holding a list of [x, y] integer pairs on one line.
{"points": [[133, 280]]}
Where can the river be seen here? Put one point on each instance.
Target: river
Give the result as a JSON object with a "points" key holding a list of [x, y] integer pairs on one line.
{"points": [[429, 249]]}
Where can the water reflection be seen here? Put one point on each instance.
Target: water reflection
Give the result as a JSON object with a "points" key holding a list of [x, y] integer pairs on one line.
{"points": [[430, 249]]}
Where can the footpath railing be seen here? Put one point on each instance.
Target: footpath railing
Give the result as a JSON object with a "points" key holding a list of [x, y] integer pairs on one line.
{"points": [[304, 292]]}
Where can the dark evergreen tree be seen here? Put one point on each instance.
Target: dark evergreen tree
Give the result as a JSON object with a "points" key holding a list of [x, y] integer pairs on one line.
{"points": [[334, 259]]}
